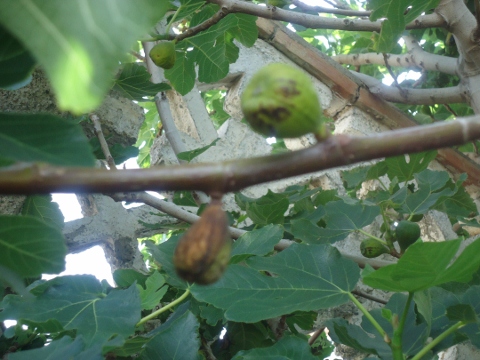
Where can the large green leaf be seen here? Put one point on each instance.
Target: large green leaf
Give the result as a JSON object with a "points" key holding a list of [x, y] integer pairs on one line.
{"points": [[168, 340], [30, 247], [404, 169], [425, 265], [342, 218], [269, 209], [153, 292], [307, 277], [288, 347], [78, 302], [258, 242], [45, 138], [213, 51], [79, 42], [431, 188], [43, 208], [134, 83]]}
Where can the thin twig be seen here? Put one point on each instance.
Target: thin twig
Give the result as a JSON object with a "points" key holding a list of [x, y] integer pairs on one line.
{"points": [[103, 143], [393, 75], [369, 297], [315, 335], [219, 15]]}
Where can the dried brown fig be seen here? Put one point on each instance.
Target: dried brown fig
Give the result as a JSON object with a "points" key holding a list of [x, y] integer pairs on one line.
{"points": [[203, 253]]}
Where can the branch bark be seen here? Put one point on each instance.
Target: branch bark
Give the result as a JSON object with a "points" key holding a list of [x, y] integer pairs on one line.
{"points": [[416, 57], [319, 22], [234, 175], [454, 94]]}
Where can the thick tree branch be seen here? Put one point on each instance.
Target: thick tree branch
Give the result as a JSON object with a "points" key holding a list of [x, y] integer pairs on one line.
{"points": [[318, 22], [234, 175], [416, 57], [454, 94], [462, 23]]}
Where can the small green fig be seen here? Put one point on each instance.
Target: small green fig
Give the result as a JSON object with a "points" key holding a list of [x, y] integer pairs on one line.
{"points": [[163, 54], [281, 101], [203, 253], [407, 233], [278, 3], [371, 248]]}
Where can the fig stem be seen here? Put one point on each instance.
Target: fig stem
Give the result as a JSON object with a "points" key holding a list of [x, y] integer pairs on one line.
{"points": [[372, 236], [164, 308], [369, 316]]}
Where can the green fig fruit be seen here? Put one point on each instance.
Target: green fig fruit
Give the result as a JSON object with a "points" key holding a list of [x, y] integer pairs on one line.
{"points": [[163, 54], [371, 248], [203, 253], [278, 3], [407, 233], [280, 100]]}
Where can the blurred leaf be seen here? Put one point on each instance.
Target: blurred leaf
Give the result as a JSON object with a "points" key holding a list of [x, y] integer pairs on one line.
{"points": [[168, 340], [154, 291], [79, 43], [64, 348], [134, 83], [269, 209], [342, 218], [461, 312], [288, 347], [250, 296], [190, 155], [43, 208], [16, 63], [70, 147], [119, 152], [30, 247], [425, 265], [398, 14], [126, 277]]}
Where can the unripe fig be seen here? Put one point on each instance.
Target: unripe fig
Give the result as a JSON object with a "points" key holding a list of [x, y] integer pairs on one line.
{"points": [[280, 100], [371, 248], [163, 54], [203, 253], [407, 233], [278, 3]]}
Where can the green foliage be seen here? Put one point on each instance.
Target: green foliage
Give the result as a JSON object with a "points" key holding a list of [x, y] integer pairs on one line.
{"points": [[28, 138], [76, 41]]}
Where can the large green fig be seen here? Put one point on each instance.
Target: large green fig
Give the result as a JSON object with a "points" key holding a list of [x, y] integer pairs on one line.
{"points": [[280, 100], [163, 54], [203, 253], [371, 248], [407, 233]]}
